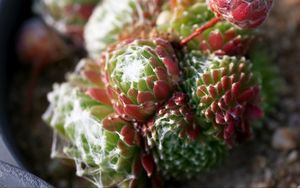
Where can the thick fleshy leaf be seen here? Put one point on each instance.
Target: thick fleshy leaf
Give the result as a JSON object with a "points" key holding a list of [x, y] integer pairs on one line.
{"points": [[99, 95], [193, 133], [111, 92], [136, 112], [204, 46], [124, 99], [220, 119], [172, 66], [101, 111], [229, 131], [228, 97], [246, 95], [161, 74], [93, 77], [129, 135], [212, 91], [150, 81], [161, 90], [113, 123], [215, 40], [225, 82], [148, 164], [143, 97], [235, 90]]}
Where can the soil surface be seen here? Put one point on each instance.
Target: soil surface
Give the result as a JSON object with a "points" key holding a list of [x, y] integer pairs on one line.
{"points": [[272, 159]]}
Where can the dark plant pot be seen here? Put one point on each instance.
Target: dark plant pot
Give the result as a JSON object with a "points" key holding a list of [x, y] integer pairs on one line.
{"points": [[11, 176], [12, 14]]}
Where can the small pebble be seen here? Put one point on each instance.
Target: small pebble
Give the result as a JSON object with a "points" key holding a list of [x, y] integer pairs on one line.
{"points": [[284, 139], [293, 156]]}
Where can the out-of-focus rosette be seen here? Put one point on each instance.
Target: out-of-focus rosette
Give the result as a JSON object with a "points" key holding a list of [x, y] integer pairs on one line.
{"points": [[67, 16]]}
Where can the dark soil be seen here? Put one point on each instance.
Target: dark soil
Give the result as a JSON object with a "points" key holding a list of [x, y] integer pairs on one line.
{"points": [[267, 161]]}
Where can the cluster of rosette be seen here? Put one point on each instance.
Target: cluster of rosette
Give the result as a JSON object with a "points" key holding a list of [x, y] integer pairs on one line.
{"points": [[147, 106]]}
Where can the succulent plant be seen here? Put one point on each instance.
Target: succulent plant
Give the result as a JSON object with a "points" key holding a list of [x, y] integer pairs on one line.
{"points": [[179, 150], [225, 92], [112, 17], [223, 38], [145, 106], [243, 13], [68, 16], [141, 75], [106, 149]]}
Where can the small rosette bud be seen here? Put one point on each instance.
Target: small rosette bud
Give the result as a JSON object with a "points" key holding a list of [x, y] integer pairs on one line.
{"points": [[243, 13]]}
